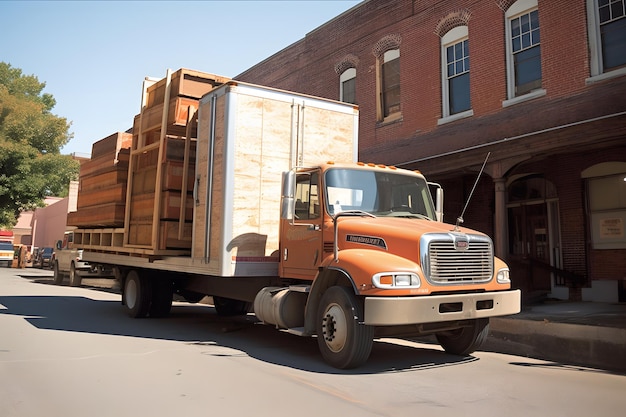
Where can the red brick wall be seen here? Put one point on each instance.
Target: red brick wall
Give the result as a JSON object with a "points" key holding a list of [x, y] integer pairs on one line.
{"points": [[308, 65]]}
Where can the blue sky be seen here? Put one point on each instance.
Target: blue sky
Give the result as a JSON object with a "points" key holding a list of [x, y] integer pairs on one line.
{"points": [[94, 55]]}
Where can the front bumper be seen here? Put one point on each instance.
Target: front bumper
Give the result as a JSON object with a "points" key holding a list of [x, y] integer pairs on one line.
{"points": [[394, 311]]}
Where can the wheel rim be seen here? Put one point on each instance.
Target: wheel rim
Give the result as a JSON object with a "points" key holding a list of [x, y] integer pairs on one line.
{"points": [[334, 328], [131, 294]]}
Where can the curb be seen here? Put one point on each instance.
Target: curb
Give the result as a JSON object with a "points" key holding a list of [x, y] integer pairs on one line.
{"points": [[575, 344]]}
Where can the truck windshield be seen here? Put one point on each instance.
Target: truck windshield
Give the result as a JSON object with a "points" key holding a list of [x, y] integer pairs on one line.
{"points": [[380, 193]]}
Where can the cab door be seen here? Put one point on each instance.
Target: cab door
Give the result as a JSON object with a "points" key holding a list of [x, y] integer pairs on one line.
{"points": [[301, 238]]}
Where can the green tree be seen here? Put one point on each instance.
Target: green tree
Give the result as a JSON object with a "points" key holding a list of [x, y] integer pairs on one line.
{"points": [[31, 166]]}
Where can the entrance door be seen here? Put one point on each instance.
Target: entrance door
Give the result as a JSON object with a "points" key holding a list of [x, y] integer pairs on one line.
{"points": [[529, 247]]}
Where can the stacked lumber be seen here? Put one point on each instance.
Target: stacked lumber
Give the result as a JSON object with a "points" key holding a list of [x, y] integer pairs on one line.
{"points": [[162, 167], [102, 187]]}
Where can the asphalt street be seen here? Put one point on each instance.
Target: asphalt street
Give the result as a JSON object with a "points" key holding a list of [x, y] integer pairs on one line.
{"points": [[67, 351]]}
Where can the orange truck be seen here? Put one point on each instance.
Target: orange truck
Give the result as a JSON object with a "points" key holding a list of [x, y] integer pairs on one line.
{"points": [[285, 224]]}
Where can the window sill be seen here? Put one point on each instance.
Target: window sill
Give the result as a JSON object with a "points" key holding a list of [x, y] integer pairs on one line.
{"points": [[605, 76], [455, 117], [392, 118], [526, 97]]}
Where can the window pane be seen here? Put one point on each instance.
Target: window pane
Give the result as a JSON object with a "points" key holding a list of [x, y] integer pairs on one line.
{"points": [[604, 14], [459, 93], [515, 29], [458, 50], [613, 39], [349, 91], [391, 86], [617, 10], [450, 70], [535, 37], [534, 19], [517, 44], [527, 70], [525, 23], [450, 53]]}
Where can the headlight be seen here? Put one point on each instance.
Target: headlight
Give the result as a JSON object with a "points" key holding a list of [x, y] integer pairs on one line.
{"points": [[396, 280], [503, 276]]}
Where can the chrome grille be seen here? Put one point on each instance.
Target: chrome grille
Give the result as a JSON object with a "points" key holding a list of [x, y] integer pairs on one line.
{"points": [[443, 263]]}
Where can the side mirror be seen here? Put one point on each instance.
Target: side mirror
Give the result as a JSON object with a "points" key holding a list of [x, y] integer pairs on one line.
{"points": [[287, 200], [59, 244]]}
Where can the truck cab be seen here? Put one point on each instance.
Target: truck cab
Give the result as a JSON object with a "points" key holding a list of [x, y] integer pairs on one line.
{"points": [[378, 262]]}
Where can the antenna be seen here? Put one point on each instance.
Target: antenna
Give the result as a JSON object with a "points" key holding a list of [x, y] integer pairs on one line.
{"points": [[459, 219]]}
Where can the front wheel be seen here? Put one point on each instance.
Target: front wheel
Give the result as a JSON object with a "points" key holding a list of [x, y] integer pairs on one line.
{"points": [[58, 276], [465, 340], [75, 278], [343, 341]]}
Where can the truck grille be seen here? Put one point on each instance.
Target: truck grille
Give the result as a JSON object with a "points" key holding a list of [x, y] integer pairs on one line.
{"points": [[456, 258]]}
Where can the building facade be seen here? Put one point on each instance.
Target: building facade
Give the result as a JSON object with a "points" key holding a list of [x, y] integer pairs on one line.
{"points": [[538, 86]]}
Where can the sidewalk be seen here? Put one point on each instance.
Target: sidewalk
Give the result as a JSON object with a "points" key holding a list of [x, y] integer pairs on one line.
{"points": [[572, 333]]}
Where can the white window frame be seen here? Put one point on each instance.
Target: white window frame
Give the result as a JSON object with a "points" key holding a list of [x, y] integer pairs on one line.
{"points": [[455, 35], [595, 47], [347, 75], [518, 8]]}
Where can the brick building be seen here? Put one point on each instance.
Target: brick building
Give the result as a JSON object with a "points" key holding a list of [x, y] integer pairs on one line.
{"points": [[545, 96]]}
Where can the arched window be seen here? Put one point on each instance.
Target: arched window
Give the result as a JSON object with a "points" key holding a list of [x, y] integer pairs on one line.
{"points": [[347, 86], [390, 82], [523, 48], [455, 77], [387, 53]]}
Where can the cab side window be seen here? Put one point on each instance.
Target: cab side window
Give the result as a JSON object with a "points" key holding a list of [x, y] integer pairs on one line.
{"points": [[307, 197]]}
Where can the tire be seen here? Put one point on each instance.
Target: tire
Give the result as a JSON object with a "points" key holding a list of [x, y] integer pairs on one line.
{"points": [[343, 342], [137, 295], [75, 278], [162, 291], [466, 340], [230, 307], [58, 276]]}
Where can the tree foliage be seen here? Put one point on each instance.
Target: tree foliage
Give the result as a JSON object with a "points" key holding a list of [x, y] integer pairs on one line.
{"points": [[31, 166]]}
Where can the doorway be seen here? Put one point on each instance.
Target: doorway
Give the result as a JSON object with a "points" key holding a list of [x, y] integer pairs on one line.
{"points": [[534, 238]]}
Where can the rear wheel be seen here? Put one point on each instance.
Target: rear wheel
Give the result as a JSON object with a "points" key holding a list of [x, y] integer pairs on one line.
{"points": [[343, 341], [137, 295], [58, 276], [465, 340]]}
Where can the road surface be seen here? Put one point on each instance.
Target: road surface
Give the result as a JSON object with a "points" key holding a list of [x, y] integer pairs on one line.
{"points": [[69, 352]]}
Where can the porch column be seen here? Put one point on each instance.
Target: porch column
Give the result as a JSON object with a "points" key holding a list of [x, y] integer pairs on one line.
{"points": [[501, 224]]}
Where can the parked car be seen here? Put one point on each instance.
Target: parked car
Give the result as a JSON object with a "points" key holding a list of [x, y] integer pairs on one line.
{"points": [[6, 253], [43, 258]]}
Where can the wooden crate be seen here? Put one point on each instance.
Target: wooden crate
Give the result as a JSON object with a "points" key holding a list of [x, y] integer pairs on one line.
{"points": [[96, 197], [142, 206], [106, 178], [111, 145], [104, 163], [140, 234], [103, 215], [184, 82]]}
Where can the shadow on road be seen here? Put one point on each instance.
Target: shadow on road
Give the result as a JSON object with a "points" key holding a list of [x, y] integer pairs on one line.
{"points": [[199, 324]]}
